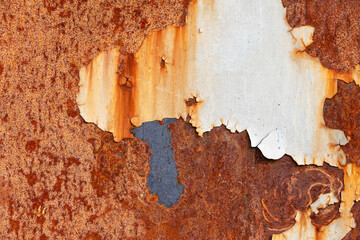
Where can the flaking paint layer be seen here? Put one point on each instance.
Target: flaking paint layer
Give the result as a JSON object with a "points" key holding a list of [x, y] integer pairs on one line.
{"points": [[244, 64], [340, 112]]}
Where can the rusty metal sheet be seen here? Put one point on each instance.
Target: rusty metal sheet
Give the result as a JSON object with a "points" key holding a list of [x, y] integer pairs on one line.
{"points": [[63, 178], [243, 63]]}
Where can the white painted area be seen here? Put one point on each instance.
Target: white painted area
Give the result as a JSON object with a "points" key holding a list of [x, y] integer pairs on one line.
{"points": [[240, 58], [105, 65], [246, 74], [303, 37], [323, 201]]}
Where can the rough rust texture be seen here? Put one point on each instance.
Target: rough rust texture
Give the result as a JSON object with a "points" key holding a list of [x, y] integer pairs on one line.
{"points": [[231, 187], [63, 179], [342, 112], [355, 233], [337, 29], [47, 166]]}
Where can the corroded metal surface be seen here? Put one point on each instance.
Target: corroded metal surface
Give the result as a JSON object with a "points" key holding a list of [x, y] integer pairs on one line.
{"points": [[46, 163], [205, 58], [63, 178], [337, 29], [244, 190], [342, 112], [230, 190]]}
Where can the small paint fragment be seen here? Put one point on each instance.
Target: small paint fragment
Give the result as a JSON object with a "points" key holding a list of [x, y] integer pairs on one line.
{"points": [[163, 176], [303, 37]]}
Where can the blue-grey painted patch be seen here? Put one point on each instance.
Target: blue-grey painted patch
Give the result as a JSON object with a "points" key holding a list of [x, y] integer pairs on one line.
{"points": [[163, 176]]}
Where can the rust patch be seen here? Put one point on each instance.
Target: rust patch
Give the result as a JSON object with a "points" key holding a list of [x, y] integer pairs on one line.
{"points": [[192, 108], [31, 178], [230, 190], [325, 215], [43, 46], [72, 110], [297, 193], [342, 112], [355, 233], [336, 37], [233, 187], [32, 145], [112, 163]]}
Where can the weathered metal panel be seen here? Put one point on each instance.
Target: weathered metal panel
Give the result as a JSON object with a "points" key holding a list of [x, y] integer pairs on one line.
{"points": [[241, 62], [63, 178]]}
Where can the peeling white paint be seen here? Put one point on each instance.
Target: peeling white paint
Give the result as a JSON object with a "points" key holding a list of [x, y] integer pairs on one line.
{"points": [[243, 61], [302, 36], [323, 201]]}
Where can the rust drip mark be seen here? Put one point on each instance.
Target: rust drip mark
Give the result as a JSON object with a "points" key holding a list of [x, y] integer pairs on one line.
{"points": [[192, 108], [118, 92], [125, 96]]}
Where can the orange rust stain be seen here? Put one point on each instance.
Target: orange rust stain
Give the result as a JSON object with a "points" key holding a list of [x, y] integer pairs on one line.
{"points": [[125, 95], [192, 108], [151, 84]]}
